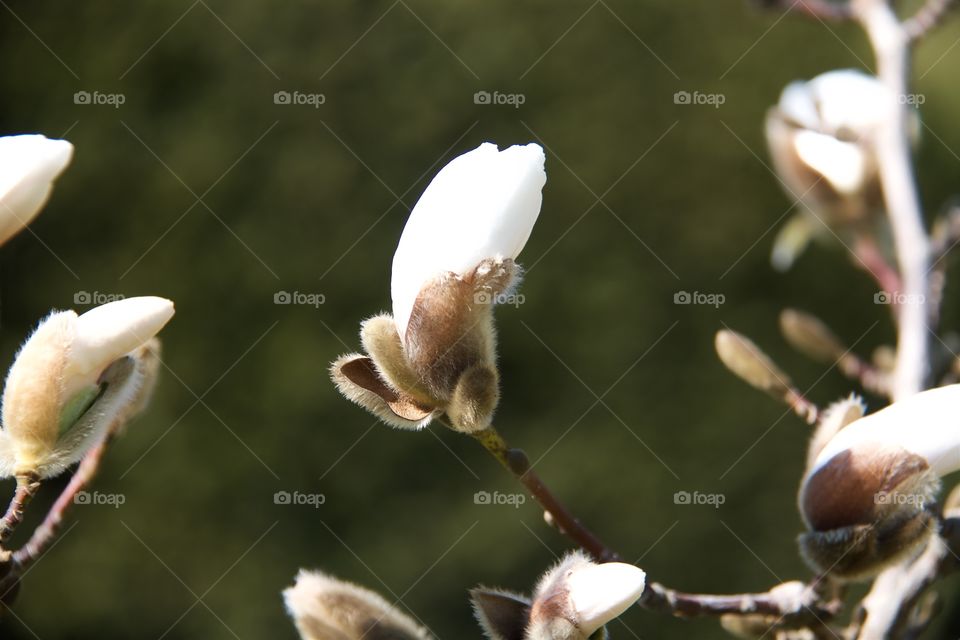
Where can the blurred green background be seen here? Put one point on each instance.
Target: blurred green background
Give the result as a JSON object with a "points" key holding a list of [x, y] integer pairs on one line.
{"points": [[199, 187]]}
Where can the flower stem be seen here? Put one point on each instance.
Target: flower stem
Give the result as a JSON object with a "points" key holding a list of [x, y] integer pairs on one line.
{"points": [[27, 486], [517, 463]]}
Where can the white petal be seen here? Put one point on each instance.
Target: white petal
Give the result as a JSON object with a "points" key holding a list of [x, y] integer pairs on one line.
{"points": [[850, 99], [111, 331], [28, 166], [796, 102], [841, 163], [599, 593], [482, 205], [925, 424]]}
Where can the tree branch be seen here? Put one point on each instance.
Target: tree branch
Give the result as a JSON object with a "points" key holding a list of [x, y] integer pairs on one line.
{"points": [[891, 45]]}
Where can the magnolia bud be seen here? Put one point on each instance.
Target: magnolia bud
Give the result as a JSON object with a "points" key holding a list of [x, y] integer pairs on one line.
{"points": [[63, 393], [809, 335], [28, 166], [745, 359], [867, 497], [325, 608], [821, 136], [455, 260], [577, 597]]}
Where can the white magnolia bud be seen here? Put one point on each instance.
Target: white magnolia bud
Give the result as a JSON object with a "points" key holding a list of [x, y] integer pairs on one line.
{"points": [[57, 379], [577, 597], [868, 494], [821, 136], [480, 206], [28, 166]]}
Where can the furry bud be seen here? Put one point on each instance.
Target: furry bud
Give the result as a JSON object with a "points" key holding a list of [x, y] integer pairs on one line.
{"points": [[745, 359], [325, 608], [809, 335], [455, 260], [76, 378], [868, 494]]}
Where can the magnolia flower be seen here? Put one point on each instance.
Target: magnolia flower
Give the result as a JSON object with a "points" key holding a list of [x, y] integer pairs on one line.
{"points": [[76, 378], [28, 166], [455, 260], [821, 137], [572, 601], [325, 608], [867, 497]]}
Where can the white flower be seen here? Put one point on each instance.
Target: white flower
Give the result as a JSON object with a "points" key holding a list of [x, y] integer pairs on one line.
{"points": [[28, 166], [54, 404], [821, 137], [482, 205]]}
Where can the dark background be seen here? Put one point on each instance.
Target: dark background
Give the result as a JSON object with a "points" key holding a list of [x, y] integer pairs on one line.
{"points": [[612, 388]]}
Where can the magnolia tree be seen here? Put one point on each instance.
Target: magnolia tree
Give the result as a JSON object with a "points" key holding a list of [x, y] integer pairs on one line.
{"points": [[869, 497]]}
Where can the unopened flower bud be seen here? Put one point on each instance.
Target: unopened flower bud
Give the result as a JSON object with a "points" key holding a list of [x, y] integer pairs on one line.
{"points": [[745, 359], [809, 335], [821, 137], [577, 597], [70, 383], [28, 166], [437, 354], [325, 608], [867, 498]]}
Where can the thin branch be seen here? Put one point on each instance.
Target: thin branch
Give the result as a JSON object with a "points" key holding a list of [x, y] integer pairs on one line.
{"points": [[47, 532], [926, 18], [516, 462], [27, 487]]}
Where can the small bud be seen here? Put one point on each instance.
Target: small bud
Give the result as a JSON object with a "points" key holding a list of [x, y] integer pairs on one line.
{"points": [[867, 498], [809, 335], [502, 615], [745, 359], [325, 608], [577, 597], [75, 379], [28, 166]]}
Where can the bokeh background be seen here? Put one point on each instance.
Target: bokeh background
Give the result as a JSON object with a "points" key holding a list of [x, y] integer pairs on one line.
{"points": [[201, 188]]}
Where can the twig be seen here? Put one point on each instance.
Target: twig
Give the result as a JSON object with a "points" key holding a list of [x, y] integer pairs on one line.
{"points": [[656, 597], [871, 259], [926, 18], [27, 486], [890, 44], [517, 463], [47, 532]]}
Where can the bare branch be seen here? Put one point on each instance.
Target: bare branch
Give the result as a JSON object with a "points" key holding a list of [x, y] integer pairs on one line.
{"points": [[926, 18]]}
